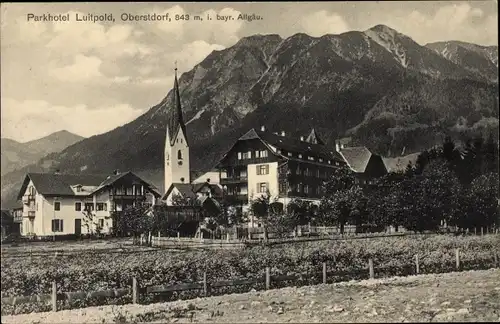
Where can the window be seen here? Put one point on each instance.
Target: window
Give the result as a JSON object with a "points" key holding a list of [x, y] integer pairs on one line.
{"points": [[239, 155], [78, 188], [310, 158], [306, 189], [262, 187], [179, 155], [329, 162], [181, 140], [300, 156], [317, 173], [57, 225], [320, 160], [257, 154], [263, 154], [101, 223], [57, 206], [89, 207], [289, 153], [299, 187], [306, 172], [78, 206], [262, 169], [102, 206]]}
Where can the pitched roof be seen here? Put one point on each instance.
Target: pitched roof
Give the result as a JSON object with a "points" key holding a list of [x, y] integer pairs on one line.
{"points": [[356, 157], [291, 144], [52, 184], [400, 163], [115, 177], [314, 138], [176, 120], [188, 190]]}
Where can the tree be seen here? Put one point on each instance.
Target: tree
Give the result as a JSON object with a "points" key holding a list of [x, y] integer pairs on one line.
{"points": [[133, 219], [429, 198], [342, 200], [268, 211]]}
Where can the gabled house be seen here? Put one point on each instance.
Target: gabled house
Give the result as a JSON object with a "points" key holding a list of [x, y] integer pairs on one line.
{"points": [[262, 162], [55, 203], [366, 165], [191, 192]]}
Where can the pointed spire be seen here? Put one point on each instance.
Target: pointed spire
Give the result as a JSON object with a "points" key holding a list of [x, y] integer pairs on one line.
{"points": [[176, 121], [314, 138]]}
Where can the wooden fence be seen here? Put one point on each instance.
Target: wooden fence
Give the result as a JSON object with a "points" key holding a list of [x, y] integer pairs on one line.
{"points": [[137, 292]]}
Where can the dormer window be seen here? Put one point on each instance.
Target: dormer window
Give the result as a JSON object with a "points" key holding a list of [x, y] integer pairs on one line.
{"points": [[300, 156]]}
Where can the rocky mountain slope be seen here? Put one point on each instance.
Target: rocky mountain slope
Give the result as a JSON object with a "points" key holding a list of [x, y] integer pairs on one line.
{"points": [[16, 155], [378, 86]]}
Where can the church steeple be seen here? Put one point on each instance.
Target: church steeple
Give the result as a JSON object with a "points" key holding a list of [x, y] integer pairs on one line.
{"points": [[176, 121], [177, 168]]}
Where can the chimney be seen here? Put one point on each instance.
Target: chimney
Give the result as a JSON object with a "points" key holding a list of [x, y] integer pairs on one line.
{"points": [[262, 128], [342, 145], [116, 172], [208, 180], [57, 171], [337, 146], [283, 133], [302, 138]]}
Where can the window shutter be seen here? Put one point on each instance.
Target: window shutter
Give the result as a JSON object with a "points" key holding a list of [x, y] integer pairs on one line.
{"points": [[249, 154], [239, 155], [258, 187], [267, 168], [53, 225], [258, 169], [61, 225]]}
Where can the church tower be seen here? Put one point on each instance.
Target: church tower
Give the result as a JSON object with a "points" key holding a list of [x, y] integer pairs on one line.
{"points": [[176, 143]]}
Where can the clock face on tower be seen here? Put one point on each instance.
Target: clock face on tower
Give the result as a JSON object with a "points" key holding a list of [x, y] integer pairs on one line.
{"points": [[180, 162]]}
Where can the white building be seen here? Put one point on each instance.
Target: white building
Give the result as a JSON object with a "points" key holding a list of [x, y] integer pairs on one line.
{"points": [[56, 204], [178, 174]]}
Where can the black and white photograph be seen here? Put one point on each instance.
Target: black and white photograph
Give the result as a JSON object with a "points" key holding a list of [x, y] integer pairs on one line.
{"points": [[250, 162]]}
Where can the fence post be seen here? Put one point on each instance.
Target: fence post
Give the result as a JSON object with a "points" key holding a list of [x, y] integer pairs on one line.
{"points": [[475, 230], [178, 236], [417, 267], [370, 266], [268, 278], [495, 254], [482, 231], [135, 291], [457, 257], [324, 272], [54, 296], [205, 284]]}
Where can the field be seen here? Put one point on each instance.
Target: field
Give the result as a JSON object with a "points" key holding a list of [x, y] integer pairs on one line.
{"points": [[472, 296], [346, 260]]}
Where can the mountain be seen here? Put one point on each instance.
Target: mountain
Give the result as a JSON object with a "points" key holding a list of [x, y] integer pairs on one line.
{"points": [[16, 155], [378, 86], [474, 58]]}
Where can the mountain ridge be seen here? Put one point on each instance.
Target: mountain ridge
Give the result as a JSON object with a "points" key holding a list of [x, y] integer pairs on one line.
{"points": [[384, 96]]}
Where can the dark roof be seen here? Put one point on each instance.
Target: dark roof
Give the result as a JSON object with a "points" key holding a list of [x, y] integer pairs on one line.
{"points": [[356, 157], [113, 178], [6, 216], [176, 120], [314, 138], [291, 144], [60, 184], [188, 190], [52, 184]]}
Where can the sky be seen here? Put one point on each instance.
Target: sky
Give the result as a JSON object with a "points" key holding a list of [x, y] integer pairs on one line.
{"points": [[91, 77]]}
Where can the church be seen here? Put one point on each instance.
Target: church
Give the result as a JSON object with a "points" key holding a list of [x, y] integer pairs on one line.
{"points": [[182, 186]]}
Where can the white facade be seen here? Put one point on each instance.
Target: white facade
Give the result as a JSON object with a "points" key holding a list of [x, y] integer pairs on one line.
{"points": [[40, 214], [213, 176], [176, 160]]}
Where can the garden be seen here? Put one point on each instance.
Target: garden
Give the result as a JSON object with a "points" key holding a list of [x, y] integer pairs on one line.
{"points": [[345, 260]]}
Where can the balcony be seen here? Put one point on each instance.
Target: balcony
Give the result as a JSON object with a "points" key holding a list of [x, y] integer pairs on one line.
{"points": [[29, 214], [126, 196], [18, 218], [27, 199], [233, 180], [237, 198]]}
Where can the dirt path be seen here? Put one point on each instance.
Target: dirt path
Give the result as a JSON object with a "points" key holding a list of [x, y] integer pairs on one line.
{"points": [[463, 296]]}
